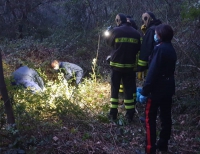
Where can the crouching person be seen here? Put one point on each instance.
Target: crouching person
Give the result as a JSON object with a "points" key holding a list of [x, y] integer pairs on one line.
{"points": [[28, 78], [69, 69]]}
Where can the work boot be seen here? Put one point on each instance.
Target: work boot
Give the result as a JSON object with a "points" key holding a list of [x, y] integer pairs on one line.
{"points": [[113, 113], [129, 115], [162, 145]]}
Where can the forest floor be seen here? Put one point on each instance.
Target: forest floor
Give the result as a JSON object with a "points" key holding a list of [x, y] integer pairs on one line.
{"points": [[94, 136], [118, 139]]}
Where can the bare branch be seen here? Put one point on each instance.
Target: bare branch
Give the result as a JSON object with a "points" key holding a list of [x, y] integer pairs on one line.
{"points": [[191, 66]]}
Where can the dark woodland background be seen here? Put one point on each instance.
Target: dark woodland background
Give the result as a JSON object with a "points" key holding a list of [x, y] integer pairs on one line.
{"points": [[34, 32]]}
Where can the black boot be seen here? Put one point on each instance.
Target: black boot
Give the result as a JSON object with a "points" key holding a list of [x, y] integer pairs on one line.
{"points": [[113, 113], [130, 114], [162, 145]]}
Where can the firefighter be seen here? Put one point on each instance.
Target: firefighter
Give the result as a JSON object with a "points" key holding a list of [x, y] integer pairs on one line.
{"points": [[121, 89], [148, 43], [125, 43], [28, 78], [131, 21], [159, 88], [69, 69]]}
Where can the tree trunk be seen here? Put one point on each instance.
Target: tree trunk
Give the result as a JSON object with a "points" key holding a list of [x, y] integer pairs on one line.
{"points": [[4, 93]]}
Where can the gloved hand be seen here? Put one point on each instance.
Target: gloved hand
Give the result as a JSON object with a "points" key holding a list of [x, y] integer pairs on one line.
{"points": [[143, 28], [139, 75], [142, 75], [139, 89], [138, 93], [137, 96], [142, 99]]}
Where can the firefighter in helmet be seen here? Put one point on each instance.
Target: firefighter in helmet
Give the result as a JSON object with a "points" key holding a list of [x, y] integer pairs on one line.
{"points": [[148, 43], [125, 43]]}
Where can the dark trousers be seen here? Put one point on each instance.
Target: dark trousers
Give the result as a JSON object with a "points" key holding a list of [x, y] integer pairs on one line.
{"points": [[152, 106], [129, 85]]}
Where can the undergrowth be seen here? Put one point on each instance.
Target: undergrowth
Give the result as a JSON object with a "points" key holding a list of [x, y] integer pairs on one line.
{"points": [[59, 103], [65, 118]]}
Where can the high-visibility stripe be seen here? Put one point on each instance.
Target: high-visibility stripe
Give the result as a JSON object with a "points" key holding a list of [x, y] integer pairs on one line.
{"points": [[122, 65], [142, 62], [113, 100], [126, 40], [129, 106], [148, 146], [114, 106], [129, 103], [121, 90], [128, 100]]}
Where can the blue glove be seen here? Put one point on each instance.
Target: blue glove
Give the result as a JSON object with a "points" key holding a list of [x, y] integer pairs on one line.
{"points": [[138, 96], [142, 99], [139, 89], [138, 93]]}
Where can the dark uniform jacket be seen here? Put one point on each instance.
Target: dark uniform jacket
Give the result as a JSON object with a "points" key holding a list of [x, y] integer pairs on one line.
{"points": [[125, 41], [160, 78], [147, 46]]}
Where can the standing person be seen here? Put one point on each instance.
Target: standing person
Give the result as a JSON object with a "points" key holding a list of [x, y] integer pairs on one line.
{"points": [[159, 88], [69, 69], [131, 21], [28, 78], [125, 43], [148, 43], [121, 89]]}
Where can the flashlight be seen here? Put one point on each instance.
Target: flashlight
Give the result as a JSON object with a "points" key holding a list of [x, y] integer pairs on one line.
{"points": [[107, 32]]}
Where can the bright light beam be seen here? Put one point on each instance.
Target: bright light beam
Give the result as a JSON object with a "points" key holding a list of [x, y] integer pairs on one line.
{"points": [[106, 33]]}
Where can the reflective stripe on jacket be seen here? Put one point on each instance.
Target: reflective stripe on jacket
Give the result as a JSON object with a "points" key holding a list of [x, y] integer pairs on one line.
{"points": [[125, 41]]}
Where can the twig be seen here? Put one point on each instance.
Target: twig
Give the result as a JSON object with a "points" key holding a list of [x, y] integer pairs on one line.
{"points": [[191, 66], [177, 41]]}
